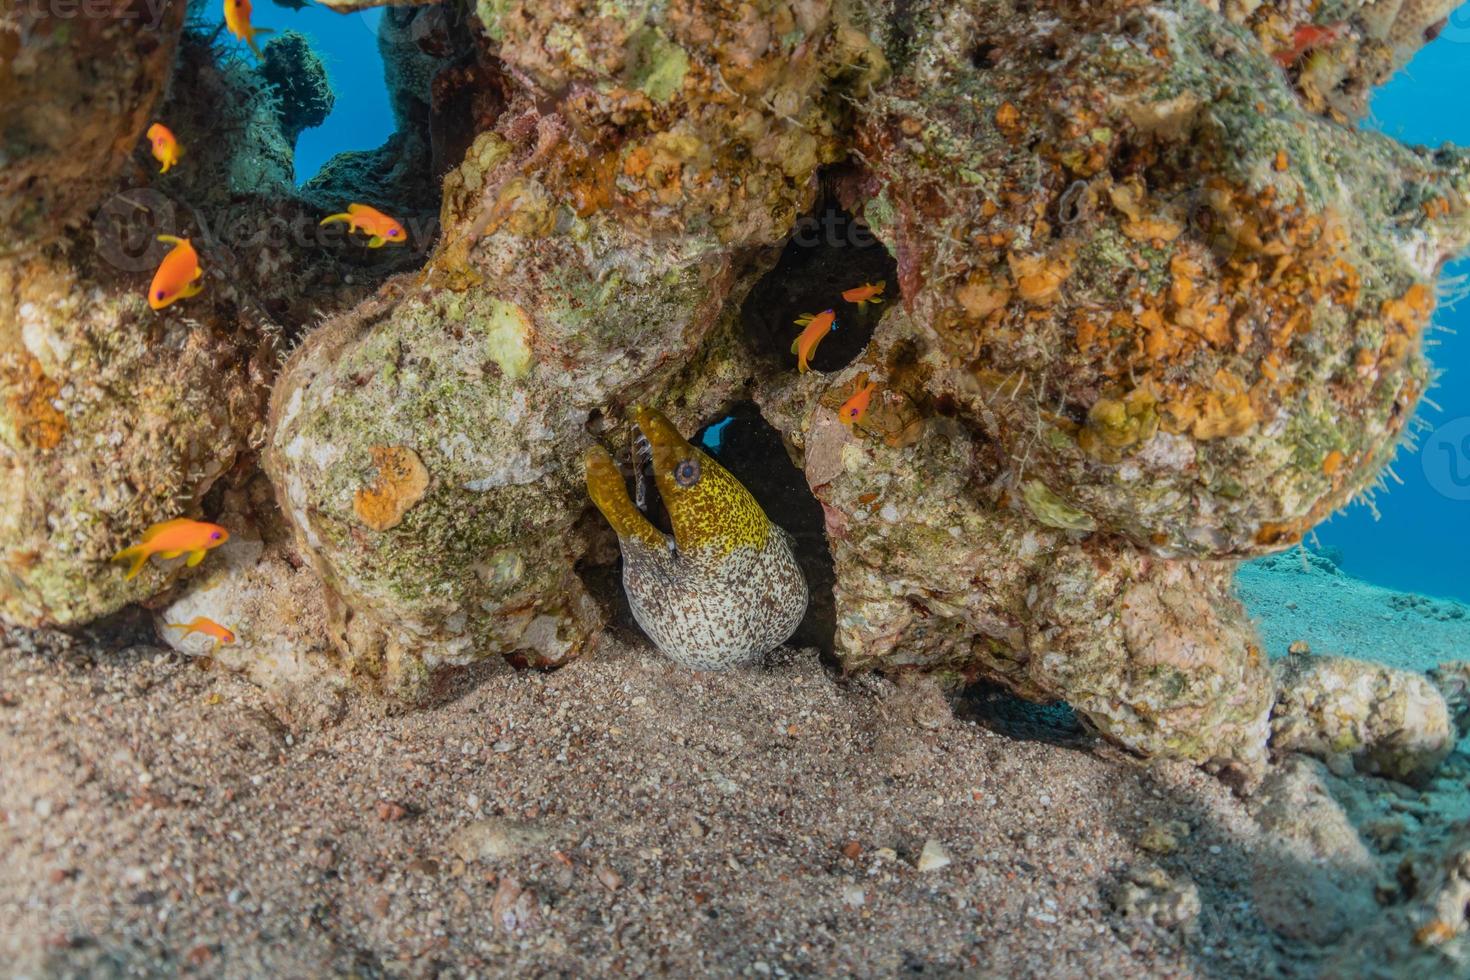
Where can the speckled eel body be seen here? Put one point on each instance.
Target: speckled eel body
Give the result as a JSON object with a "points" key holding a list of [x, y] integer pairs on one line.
{"points": [[725, 587]]}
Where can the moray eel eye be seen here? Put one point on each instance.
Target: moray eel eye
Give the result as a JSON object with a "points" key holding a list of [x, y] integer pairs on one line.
{"points": [[686, 474]]}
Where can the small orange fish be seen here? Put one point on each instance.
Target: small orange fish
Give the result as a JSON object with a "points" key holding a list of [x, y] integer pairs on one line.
{"points": [[178, 274], [166, 148], [172, 539], [237, 19], [855, 409], [866, 293], [1307, 37], [360, 217], [208, 627], [817, 326]]}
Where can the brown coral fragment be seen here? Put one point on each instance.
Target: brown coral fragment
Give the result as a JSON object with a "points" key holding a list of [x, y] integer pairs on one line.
{"points": [[29, 405], [401, 482]]}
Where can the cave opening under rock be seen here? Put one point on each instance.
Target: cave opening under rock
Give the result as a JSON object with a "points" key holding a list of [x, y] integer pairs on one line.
{"points": [[829, 251], [996, 708]]}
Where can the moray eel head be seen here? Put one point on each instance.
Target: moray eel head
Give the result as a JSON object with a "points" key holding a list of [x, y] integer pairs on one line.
{"points": [[708, 508]]}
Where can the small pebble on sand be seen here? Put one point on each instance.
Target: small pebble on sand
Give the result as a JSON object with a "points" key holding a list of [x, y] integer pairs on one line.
{"points": [[933, 856]]}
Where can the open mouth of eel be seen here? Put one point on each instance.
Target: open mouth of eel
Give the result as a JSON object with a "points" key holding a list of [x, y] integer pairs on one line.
{"points": [[645, 489]]}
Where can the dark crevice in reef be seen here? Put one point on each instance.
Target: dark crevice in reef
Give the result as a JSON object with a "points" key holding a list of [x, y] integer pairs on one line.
{"points": [[829, 251], [992, 706], [754, 453]]}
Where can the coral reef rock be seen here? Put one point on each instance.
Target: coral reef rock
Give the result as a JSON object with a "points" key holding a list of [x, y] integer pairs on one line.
{"points": [[1159, 307], [942, 567], [702, 115], [75, 93], [113, 417], [1452, 678], [1386, 721], [1336, 53], [427, 447], [1425, 936], [274, 605], [1147, 894], [1191, 312]]}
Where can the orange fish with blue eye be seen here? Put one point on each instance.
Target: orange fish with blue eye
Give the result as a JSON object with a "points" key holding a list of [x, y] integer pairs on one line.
{"points": [[237, 19], [360, 217], [178, 274], [171, 539], [207, 626], [866, 293], [855, 409], [817, 327], [166, 148]]}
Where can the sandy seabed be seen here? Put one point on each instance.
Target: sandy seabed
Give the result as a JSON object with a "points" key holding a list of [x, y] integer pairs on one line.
{"points": [[621, 816]]}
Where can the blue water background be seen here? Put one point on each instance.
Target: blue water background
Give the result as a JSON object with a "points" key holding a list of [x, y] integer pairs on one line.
{"points": [[1420, 539], [361, 118]]}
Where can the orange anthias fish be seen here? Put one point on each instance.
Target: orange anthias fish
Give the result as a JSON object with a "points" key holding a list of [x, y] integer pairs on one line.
{"points": [[208, 627], [817, 327], [1307, 37], [360, 217], [866, 293], [166, 148], [237, 19], [178, 274], [172, 539], [855, 409]]}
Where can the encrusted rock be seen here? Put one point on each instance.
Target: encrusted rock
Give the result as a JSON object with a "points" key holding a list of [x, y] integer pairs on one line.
{"points": [[294, 70], [941, 566], [112, 417], [1452, 678], [273, 604], [1189, 311], [489, 372], [1337, 52], [1426, 936], [1389, 722], [704, 115]]}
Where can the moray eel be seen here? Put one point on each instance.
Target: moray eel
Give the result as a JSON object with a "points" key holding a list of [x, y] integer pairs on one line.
{"points": [[725, 588]]}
